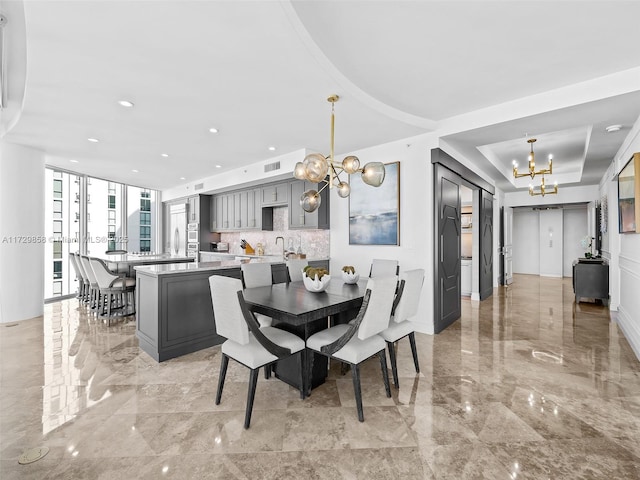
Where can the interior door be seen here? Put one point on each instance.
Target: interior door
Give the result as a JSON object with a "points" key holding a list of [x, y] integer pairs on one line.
{"points": [[486, 244], [447, 303], [507, 248]]}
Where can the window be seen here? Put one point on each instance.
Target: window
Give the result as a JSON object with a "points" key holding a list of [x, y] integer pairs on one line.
{"points": [[145, 231], [145, 194], [57, 249], [145, 218], [145, 245], [57, 288], [111, 188], [57, 188], [112, 230], [57, 209], [112, 201], [57, 228], [145, 205], [112, 216], [57, 269]]}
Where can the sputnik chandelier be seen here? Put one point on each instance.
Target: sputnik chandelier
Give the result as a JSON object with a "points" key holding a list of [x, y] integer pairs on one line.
{"points": [[315, 167]]}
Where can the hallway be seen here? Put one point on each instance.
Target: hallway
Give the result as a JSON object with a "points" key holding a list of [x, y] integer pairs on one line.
{"points": [[526, 385]]}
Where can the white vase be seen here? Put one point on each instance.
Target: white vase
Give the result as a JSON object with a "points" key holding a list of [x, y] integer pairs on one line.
{"points": [[316, 284], [350, 278]]}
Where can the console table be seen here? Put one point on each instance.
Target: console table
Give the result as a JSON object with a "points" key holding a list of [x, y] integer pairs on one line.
{"points": [[591, 279]]}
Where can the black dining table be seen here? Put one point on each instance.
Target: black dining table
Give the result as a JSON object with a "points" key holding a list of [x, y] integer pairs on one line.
{"points": [[303, 313]]}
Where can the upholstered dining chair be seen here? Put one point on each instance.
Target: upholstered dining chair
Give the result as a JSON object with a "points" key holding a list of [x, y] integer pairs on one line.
{"points": [[400, 326], [94, 290], [248, 343], [258, 275], [83, 279], [383, 268], [294, 267], [115, 291], [355, 342]]}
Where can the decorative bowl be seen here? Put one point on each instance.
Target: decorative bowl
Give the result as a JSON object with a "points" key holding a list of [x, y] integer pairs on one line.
{"points": [[350, 278], [315, 284]]}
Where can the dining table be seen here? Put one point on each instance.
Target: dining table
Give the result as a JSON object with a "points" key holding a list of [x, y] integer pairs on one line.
{"points": [[297, 310]]}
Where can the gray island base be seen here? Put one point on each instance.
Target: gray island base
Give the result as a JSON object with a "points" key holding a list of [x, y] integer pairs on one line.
{"points": [[174, 309]]}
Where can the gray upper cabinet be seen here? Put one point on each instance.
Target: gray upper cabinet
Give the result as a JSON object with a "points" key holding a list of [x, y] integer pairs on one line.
{"points": [[275, 194], [235, 211], [193, 209], [298, 218]]}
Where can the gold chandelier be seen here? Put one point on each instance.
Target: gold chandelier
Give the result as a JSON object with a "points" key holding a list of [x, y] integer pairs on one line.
{"points": [[543, 189], [532, 164], [315, 167]]}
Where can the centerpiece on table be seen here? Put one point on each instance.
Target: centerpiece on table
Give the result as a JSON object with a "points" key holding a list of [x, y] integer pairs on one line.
{"points": [[349, 275], [587, 242], [315, 279]]}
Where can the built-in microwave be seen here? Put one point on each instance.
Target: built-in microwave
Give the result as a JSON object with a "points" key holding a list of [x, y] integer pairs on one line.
{"points": [[192, 233]]}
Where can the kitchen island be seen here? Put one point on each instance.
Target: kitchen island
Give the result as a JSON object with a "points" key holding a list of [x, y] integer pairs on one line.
{"points": [[173, 303], [126, 263]]}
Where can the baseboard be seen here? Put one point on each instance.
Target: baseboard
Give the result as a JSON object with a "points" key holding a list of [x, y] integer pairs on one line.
{"points": [[630, 330]]}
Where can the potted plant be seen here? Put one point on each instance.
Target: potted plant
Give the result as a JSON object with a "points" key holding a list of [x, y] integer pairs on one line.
{"points": [[587, 242], [349, 274], [315, 279]]}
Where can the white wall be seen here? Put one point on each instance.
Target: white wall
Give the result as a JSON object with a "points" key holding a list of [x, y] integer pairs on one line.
{"points": [[416, 219], [526, 242], [575, 229], [22, 238], [624, 251], [551, 242]]}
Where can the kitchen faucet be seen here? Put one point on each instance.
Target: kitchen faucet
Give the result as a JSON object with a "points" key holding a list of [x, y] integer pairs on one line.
{"points": [[281, 238]]}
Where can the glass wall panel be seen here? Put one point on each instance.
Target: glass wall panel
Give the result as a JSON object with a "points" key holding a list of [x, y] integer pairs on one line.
{"points": [[104, 217], [141, 214]]}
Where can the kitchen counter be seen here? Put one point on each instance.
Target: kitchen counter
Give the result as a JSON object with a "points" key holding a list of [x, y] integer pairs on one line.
{"points": [[174, 268], [127, 262]]}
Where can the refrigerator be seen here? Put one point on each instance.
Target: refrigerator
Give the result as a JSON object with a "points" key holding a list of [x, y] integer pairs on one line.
{"points": [[178, 230]]}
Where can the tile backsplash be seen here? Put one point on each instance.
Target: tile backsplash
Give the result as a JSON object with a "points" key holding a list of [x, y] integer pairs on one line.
{"points": [[315, 243]]}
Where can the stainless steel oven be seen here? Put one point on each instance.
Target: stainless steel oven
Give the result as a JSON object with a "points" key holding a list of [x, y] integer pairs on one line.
{"points": [[192, 233], [193, 250]]}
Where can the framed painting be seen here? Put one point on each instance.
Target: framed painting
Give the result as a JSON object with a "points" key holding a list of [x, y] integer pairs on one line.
{"points": [[374, 212], [628, 195]]}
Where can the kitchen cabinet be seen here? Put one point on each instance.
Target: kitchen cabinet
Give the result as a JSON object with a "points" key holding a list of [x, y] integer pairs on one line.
{"points": [[275, 194], [298, 218], [465, 277], [222, 212], [193, 209], [240, 210]]}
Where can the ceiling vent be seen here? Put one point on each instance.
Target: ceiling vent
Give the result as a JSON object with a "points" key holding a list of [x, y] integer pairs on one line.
{"points": [[198, 186], [270, 167]]}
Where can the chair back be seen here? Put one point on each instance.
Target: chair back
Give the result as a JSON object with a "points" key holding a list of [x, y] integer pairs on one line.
{"points": [[103, 275], [408, 304], [76, 267], [87, 269], [383, 268], [230, 322], [378, 313], [295, 266], [256, 275]]}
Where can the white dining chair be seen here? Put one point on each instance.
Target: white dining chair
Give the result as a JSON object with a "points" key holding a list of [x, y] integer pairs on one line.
{"points": [[248, 343], [294, 267], [405, 309], [355, 342], [258, 275], [116, 291], [383, 268]]}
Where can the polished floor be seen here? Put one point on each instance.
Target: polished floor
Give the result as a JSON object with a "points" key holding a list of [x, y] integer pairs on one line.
{"points": [[526, 385]]}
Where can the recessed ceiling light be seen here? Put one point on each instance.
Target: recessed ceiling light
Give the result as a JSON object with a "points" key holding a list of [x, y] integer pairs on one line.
{"points": [[272, 149], [93, 140], [613, 128], [182, 178], [165, 155], [73, 161], [125, 103], [213, 130], [134, 170], [218, 166]]}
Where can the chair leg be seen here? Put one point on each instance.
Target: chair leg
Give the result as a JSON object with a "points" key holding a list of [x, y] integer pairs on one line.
{"points": [[251, 394], [391, 346], [310, 356], [267, 372], [301, 366], [223, 373], [385, 372], [355, 371], [414, 350]]}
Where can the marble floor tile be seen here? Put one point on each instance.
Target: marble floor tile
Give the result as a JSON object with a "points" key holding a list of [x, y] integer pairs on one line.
{"points": [[526, 384]]}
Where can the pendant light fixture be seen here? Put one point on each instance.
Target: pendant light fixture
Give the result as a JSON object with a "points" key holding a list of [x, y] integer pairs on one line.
{"points": [[532, 164], [315, 167], [543, 189]]}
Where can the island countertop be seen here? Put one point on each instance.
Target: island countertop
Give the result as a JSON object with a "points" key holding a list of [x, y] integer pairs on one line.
{"points": [[172, 268]]}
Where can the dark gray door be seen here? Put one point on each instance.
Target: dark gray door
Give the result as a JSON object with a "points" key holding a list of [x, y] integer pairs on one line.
{"points": [[486, 244], [447, 302], [501, 248]]}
